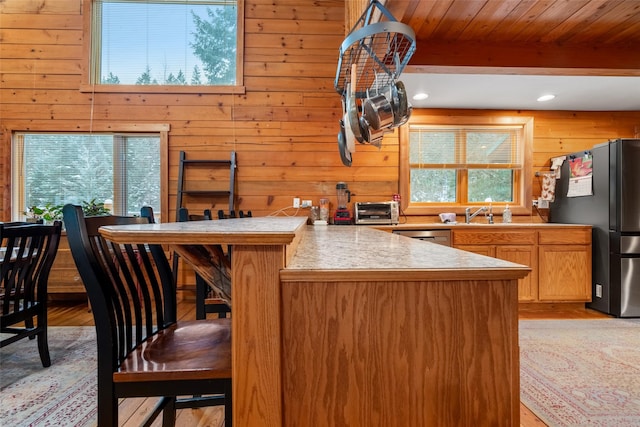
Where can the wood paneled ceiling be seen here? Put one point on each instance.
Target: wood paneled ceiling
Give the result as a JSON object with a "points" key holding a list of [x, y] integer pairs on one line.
{"points": [[562, 37]]}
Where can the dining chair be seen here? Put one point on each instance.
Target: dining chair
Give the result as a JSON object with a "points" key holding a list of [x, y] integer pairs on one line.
{"points": [[143, 351], [206, 300], [232, 214], [27, 252]]}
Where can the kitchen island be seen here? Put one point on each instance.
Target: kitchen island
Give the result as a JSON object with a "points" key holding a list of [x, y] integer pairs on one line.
{"points": [[346, 325]]}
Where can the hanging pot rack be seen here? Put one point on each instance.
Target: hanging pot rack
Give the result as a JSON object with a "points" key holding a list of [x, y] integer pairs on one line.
{"points": [[372, 57], [380, 51]]}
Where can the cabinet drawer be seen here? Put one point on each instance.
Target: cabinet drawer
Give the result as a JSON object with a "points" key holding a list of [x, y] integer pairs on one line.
{"points": [[493, 237], [565, 236]]}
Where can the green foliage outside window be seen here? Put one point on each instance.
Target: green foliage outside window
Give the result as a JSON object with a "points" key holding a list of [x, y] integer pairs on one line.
{"points": [[494, 184], [433, 186], [191, 42], [88, 169], [215, 44]]}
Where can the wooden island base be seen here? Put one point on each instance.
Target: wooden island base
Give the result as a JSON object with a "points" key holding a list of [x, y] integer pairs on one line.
{"points": [[425, 353]]}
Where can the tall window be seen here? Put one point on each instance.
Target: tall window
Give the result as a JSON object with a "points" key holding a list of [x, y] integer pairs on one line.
{"points": [[52, 169], [458, 165], [164, 42]]}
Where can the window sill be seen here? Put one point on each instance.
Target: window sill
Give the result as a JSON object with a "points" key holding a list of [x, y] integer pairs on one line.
{"points": [[459, 210], [88, 88]]}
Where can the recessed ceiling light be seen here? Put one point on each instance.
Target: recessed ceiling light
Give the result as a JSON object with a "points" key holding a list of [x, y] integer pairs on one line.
{"points": [[420, 96], [544, 98]]}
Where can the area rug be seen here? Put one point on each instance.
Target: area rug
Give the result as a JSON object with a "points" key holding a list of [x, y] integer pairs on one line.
{"points": [[581, 372], [63, 394], [573, 373]]}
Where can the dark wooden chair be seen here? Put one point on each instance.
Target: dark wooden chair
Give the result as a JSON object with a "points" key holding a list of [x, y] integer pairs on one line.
{"points": [[28, 252], [142, 350], [232, 214], [206, 300]]}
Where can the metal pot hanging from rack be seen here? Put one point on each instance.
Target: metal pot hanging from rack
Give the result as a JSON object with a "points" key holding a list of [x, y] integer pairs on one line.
{"points": [[372, 57]]}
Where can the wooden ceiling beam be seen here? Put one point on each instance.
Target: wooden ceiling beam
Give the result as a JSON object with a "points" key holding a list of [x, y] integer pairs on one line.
{"points": [[538, 58]]}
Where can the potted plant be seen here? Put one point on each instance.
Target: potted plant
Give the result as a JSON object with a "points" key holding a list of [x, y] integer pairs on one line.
{"points": [[51, 212], [93, 208], [48, 213]]}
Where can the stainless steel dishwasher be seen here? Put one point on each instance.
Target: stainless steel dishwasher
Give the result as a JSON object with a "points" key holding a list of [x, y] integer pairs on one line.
{"points": [[440, 236]]}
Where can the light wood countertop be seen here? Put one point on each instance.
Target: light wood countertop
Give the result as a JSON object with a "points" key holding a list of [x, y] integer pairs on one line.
{"points": [[330, 250], [252, 231], [476, 225]]}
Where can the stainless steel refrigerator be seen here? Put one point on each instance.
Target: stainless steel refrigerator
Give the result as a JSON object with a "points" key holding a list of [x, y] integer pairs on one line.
{"points": [[613, 209]]}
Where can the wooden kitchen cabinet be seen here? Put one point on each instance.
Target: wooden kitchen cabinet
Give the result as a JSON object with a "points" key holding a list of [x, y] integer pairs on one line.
{"points": [[559, 257], [510, 245], [64, 277], [486, 250], [564, 266], [514, 253], [527, 289]]}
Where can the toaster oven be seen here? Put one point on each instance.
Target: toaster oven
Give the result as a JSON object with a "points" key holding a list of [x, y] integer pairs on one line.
{"points": [[376, 213]]}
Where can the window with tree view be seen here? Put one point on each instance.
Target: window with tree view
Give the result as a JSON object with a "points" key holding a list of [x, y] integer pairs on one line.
{"points": [[52, 169], [164, 42], [457, 165]]}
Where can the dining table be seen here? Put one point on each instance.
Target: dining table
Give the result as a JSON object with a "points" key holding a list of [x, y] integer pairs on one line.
{"points": [[353, 326]]}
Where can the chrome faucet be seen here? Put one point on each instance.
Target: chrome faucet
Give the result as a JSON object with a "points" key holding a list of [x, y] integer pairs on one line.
{"points": [[468, 216]]}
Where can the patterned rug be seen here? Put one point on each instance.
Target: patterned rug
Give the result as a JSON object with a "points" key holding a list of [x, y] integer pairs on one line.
{"points": [[63, 394], [581, 372], [573, 373]]}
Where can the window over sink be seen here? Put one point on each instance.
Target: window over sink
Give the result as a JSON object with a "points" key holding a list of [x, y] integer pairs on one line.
{"points": [[449, 162]]}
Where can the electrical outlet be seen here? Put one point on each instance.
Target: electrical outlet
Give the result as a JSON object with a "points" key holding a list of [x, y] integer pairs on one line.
{"points": [[535, 203], [543, 204], [306, 203], [598, 290], [296, 202]]}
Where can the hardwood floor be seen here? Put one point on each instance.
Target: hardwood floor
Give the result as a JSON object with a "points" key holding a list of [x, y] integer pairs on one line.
{"points": [[77, 314]]}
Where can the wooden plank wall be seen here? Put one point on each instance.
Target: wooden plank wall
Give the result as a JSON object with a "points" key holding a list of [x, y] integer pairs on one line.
{"points": [[283, 128], [353, 10], [560, 132]]}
